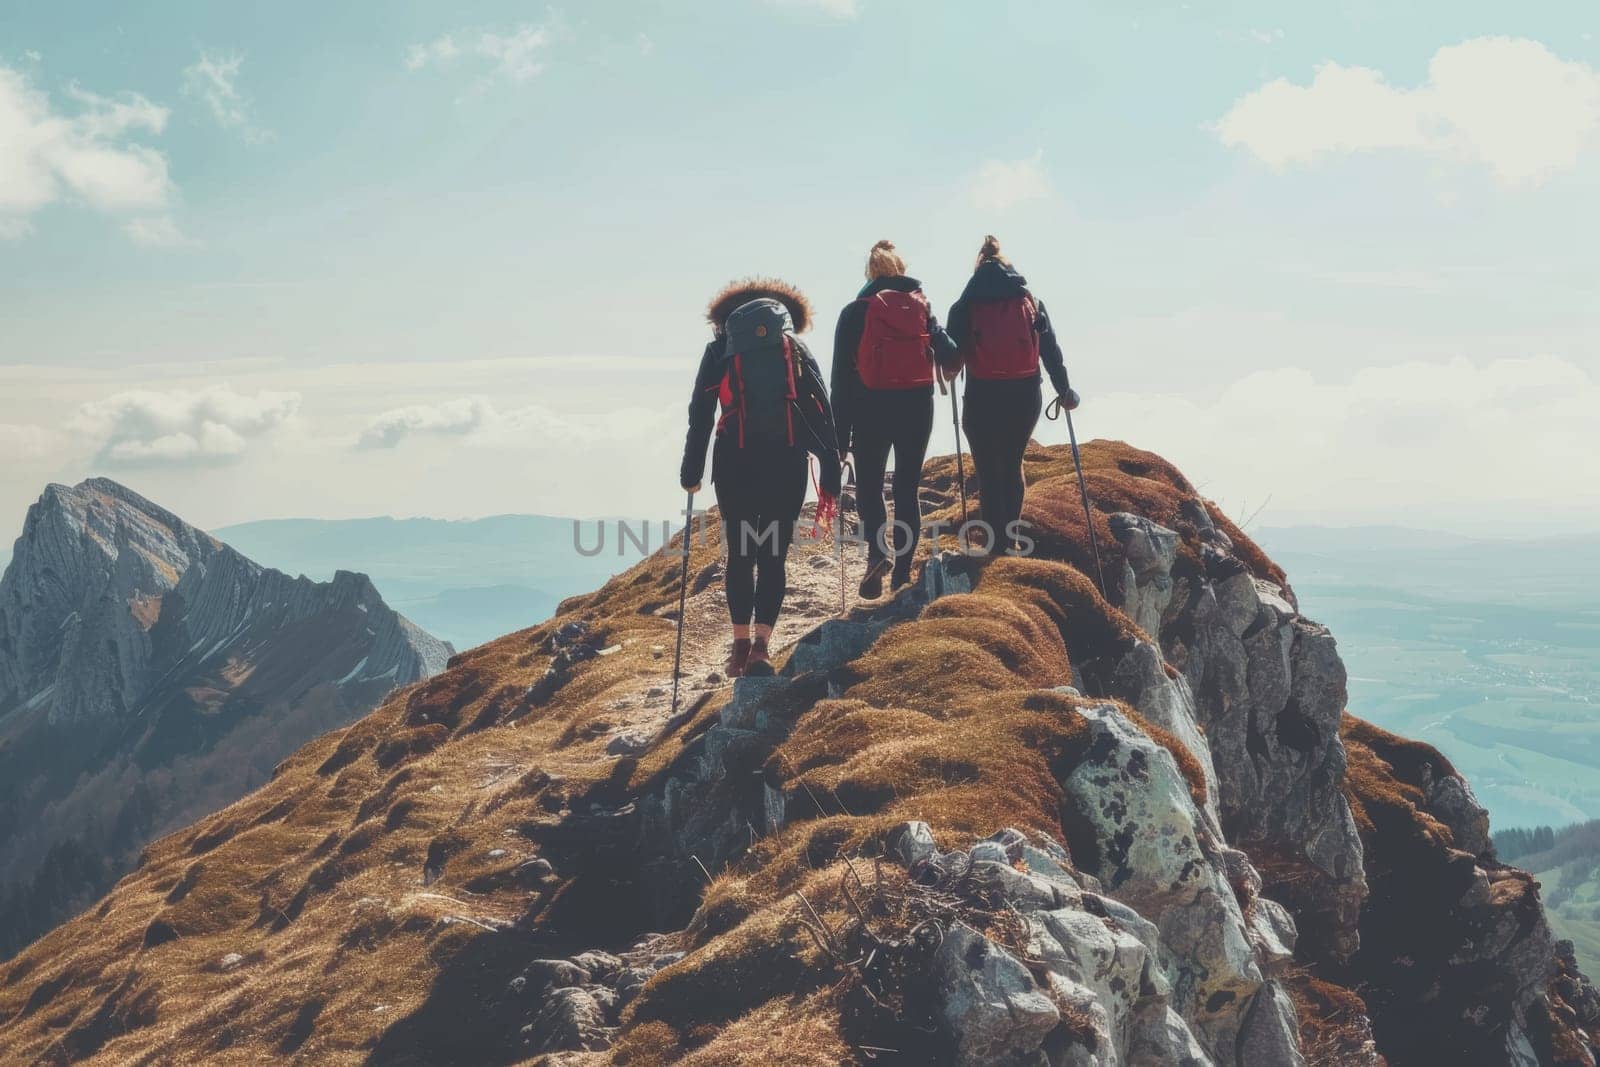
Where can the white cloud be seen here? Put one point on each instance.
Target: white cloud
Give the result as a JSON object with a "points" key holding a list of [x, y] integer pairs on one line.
{"points": [[517, 56], [1447, 443], [47, 155], [1001, 185], [438, 51], [158, 231], [1509, 104], [455, 417], [214, 79], [476, 420], [839, 9], [179, 426]]}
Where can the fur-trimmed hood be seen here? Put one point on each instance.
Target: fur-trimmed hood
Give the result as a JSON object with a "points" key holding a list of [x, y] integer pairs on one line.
{"points": [[736, 294]]}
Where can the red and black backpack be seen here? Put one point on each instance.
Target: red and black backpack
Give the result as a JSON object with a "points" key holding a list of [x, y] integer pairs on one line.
{"points": [[894, 353], [1002, 342]]}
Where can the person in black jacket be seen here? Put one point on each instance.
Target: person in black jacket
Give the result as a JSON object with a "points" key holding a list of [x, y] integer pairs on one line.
{"points": [[1004, 336], [886, 350], [759, 475]]}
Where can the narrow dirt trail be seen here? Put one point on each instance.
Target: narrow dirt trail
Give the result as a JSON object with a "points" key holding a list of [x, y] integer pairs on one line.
{"points": [[812, 597]]}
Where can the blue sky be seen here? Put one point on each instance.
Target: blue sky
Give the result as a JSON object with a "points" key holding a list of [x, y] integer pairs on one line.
{"points": [[449, 259]]}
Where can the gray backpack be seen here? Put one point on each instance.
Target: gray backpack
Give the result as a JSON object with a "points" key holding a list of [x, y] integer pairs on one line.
{"points": [[759, 382]]}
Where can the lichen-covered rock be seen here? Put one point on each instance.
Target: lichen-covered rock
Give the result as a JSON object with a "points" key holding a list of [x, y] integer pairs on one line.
{"points": [[1138, 831], [1148, 550], [995, 1012]]}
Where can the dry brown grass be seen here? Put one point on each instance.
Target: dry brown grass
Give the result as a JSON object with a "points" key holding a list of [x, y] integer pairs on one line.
{"points": [[1334, 1031], [354, 887]]}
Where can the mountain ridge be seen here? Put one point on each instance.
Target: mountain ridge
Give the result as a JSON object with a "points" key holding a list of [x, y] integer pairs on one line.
{"points": [[1006, 817]]}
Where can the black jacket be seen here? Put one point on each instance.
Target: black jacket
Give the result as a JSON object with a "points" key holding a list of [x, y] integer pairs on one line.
{"points": [[849, 391], [994, 280], [813, 423]]}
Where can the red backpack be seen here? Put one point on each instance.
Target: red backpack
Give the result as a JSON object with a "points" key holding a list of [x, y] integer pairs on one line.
{"points": [[893, 353], [1004, 343]]}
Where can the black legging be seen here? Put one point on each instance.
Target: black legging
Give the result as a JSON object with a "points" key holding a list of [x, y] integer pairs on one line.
{"points": [[902, 420], [999, 418], [760, 492]]}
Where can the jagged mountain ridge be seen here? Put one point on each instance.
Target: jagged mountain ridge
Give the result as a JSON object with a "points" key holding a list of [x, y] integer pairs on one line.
{"points": [[138, 655], [1200, 857]]}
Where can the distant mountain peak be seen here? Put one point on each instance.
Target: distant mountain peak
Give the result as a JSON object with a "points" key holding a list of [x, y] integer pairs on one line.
{"points": [[130, 639]]}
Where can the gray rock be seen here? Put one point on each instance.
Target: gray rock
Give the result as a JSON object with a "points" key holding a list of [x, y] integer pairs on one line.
{"points": [[542, 976], [1129, 797], [570, 1020], [1272, 931], [1268, 692], [1026, 891], [911, 843], [1012, 840], [1452, 802], [832, 645], [945, 574], [599, 966], [1519, 1050], [1149, 551], [1048, 865], [989, 852], [1271, 1033], [749, 697], [533, 871], [630, 743], [992, 1008], [1160, 1038], [1141, 679]]}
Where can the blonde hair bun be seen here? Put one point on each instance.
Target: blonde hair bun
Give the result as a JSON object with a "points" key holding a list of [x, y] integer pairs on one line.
{"points": [[990, 250], [884, 262]]}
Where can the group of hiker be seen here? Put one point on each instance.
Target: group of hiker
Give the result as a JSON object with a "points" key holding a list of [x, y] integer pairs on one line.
{"points": [[889, 354]]}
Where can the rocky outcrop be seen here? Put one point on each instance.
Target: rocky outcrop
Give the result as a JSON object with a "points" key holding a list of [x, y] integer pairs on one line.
{"points": [[132, 643], [1267, 688]]}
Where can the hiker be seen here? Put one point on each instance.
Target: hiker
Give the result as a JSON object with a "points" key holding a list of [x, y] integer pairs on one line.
{"points": [[885, 351], [1003, 334], [774, 411]]}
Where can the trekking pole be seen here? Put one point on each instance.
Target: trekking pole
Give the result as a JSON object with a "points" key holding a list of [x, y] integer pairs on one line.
{"points": [[961, 463], [1053, 412], [839, 541], [683, 600]]}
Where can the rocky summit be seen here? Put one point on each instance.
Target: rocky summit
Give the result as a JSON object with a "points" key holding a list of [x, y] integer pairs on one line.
{"points": [[150, 674], [1007, 817]]}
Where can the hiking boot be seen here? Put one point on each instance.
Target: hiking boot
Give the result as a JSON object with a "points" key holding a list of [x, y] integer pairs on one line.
{"points": [[901, 579], [759, 665], [872, 581], [737, 659]]}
